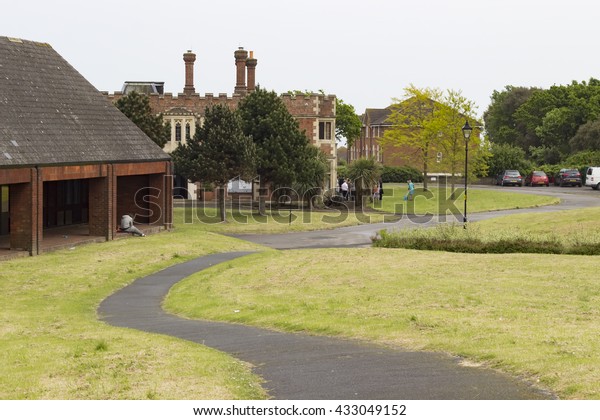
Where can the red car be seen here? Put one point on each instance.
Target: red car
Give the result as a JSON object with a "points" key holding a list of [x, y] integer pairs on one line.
{"points": [[537, 178]]}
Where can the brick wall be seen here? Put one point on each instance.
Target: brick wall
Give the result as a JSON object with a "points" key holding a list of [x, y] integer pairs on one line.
{"points": [[156, 199], [131, 191], [168, 209], [193, 103], [21, 224], [101, 221]]}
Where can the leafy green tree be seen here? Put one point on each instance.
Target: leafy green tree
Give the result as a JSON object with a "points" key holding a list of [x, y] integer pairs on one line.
{"points": [[506, 156], [449, 118], [547, 120], [218, 152], [137, 108], [311, 179], [587, 137], [499, 118], [347, 123], [365, 174], [280, 145], [556, 129], [583, 159], [545, 155]]}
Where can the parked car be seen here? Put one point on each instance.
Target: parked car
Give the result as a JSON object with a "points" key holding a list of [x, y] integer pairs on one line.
{"points": [[568, 177], [537, 178], [509, 177], [592, 177]]}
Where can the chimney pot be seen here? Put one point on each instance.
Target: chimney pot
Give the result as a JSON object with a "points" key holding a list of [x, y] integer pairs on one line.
{"points": [[189, 57], [241, 56]]}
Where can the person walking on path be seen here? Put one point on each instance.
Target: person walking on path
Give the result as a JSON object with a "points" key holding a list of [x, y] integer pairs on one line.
{"points": [[411, 190]]}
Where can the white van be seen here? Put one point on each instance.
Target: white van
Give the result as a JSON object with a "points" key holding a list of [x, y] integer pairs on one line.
{"points": [[592, 177]]}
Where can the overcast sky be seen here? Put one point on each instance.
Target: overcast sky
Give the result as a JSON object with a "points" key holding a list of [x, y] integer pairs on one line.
{"points": [[366, 52]]}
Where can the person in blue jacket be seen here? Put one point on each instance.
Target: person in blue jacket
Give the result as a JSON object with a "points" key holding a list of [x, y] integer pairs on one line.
{"points": [[411, 190]]}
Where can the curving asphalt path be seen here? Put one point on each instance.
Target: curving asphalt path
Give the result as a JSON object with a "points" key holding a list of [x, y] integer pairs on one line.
{"points": [[360, 236], [299, 366]]}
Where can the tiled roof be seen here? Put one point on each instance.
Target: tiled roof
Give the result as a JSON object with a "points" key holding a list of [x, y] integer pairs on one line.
{"points": [[51, 115], [378, 116]]}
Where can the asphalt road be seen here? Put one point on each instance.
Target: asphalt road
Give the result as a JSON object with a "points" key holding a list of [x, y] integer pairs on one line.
{"points": [[360, 236], [299, 366]]}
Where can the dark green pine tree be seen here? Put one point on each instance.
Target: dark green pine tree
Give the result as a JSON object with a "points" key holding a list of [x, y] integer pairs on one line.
{"points": [[280, 145], [137, 108], [218, 152]]}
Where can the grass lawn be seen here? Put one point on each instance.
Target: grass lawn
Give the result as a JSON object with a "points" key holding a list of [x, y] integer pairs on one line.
{"points": [[581, 225], [575, 232], [54, 347], [531, 315], [434, 202], [278, 221]]}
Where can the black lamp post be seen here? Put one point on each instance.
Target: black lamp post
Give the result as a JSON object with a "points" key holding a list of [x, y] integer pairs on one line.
{"points": [[467, 134]]}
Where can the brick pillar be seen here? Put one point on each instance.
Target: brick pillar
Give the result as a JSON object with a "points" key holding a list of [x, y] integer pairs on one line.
{"points": [[189, 58], [240, 62], [251, 67], [38, 210], [21, 217], [169, 179], [111, 176], [26, 207], [100, 208], [102, 204]]}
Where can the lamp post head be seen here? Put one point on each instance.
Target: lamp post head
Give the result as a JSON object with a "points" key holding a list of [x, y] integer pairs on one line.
{"points": [[467, 130]]}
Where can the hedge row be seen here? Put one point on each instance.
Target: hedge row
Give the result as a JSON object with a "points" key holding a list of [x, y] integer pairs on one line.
{"points": [[401, 174], [474, 246]]}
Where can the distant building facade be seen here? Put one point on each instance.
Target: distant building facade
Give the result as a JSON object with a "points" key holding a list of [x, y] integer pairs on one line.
{"points": [[67, 157], [374, 124], [315, 113]]}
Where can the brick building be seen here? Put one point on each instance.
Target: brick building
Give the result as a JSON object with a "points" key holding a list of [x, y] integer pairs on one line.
{"points": [[374, 125], [67, 157], [315, 113]]}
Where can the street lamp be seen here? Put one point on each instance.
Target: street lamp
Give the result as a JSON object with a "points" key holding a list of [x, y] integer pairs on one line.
{"points": [[467, 134]]}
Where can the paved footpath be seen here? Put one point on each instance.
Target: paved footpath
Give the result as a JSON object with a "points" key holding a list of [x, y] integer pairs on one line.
{"points": [[298, 366]]}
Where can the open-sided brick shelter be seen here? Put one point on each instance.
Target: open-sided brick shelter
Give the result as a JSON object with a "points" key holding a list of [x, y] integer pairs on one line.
{"points": [[67, 157]]}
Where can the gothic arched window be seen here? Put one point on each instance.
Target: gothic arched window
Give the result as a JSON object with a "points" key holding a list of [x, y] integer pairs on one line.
{"points": [[178, 132]]}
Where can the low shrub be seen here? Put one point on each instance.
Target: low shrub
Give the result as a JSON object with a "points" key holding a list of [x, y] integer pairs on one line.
{"points": [[400, 174], [453, 238]]}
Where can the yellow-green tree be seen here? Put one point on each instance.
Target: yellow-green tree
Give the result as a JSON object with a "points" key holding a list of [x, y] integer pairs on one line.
{"points": [[427, 122], [450, 116], [415, 123]]}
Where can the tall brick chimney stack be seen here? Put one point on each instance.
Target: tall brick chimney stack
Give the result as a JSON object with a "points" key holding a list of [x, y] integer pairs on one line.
{"points": [[240, 62], [189, 57], [251, 66]]}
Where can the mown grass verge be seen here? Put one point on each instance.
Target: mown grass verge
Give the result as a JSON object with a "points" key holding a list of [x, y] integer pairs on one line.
{"points": [[440, 201], [533, 316], [534, 234], [54, 347]]}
